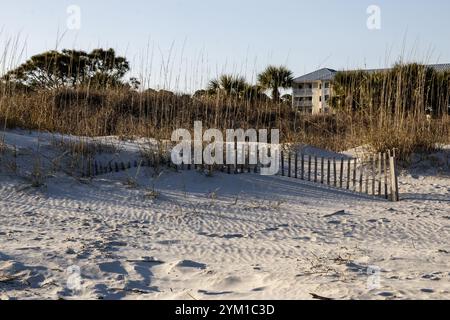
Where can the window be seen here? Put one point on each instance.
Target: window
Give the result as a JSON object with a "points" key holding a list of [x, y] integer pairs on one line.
{"points": [[327, 85], [320, 99], [327, 97]]}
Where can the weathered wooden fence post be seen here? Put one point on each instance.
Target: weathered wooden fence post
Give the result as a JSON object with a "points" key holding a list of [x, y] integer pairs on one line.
{"points": [[315, 169], [395, 196], [379, 174], [303, 167], [296, 165], [249, 169], [349, 175], [335, 172], [236, 159], [309, 167], [328, 172], [282, 163], [322, 172], [385, 170], [374, 175], [361, 177], [341, 182], [367, 180], [289, 164], [257, 161]]}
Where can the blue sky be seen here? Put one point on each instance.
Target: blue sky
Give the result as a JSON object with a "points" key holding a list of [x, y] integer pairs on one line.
{"points": [[180, 44]]}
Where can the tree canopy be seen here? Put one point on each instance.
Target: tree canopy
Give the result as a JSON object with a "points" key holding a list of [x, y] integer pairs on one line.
{"points": [[274, 78], [70, 68], [232, 86], [228, 85]]}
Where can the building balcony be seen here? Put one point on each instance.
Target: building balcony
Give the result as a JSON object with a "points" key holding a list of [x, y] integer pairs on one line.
{"points": [[303, 92], [303, 104]]}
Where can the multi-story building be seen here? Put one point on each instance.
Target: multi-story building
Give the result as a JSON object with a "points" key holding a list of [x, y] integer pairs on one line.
{"points": [[312, 92]]}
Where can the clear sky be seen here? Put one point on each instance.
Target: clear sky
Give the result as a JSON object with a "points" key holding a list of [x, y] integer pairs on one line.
{"points": [[179, 44]]}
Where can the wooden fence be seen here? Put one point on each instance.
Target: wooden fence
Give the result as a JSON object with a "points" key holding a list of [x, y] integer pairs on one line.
{"points": [[374, 175]]}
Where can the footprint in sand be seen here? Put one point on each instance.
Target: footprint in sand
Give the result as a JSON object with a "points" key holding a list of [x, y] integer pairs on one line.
{"points": [[189, 264], [335, 222], [432, 276], [212, 293], [169, 242], [233, 236], [425, 290], [386, 294], [112, 267]]}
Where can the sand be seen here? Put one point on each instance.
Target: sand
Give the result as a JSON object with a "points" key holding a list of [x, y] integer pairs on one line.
{"points": [[185, 235]]}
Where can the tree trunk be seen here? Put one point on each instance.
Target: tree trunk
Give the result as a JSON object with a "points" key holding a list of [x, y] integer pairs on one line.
{"points": [[275, 95]]}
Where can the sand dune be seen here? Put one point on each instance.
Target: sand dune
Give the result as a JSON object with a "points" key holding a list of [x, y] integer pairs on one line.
{"points": [[188, 236]]}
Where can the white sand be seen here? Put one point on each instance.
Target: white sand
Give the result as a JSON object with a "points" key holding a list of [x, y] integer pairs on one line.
{"points": [[221, 237]]}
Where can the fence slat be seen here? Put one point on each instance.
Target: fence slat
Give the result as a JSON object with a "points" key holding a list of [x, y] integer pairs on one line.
{"points": [[361, 178], [328, 172], [309, 168], [322, 172], [394, 180], [349, 165], [296, 165], [374, 175], [367, 182], [315, 169], [249, 168], [341, 182], [303, 167], [335, 172], [379, 173], [385, 170], [289, 164]]}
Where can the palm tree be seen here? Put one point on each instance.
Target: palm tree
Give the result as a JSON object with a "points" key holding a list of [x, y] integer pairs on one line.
{"points": [[228, 84], [254, 92], [274, 78]]}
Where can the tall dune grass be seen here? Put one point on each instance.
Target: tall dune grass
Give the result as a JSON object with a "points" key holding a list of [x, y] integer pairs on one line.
{"points": [[383, 109], [406, 107]]}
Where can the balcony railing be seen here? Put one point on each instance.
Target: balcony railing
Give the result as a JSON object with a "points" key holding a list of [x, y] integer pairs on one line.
{"points": [[303, 104], [303, 92]]}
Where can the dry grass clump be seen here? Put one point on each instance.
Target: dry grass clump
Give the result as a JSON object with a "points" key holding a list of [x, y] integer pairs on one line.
{"points": [[405, 108], [412, 136], [126, 112]]}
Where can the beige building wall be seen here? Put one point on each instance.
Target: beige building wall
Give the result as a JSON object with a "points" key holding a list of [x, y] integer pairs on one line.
{"points": [[313, 97]]}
